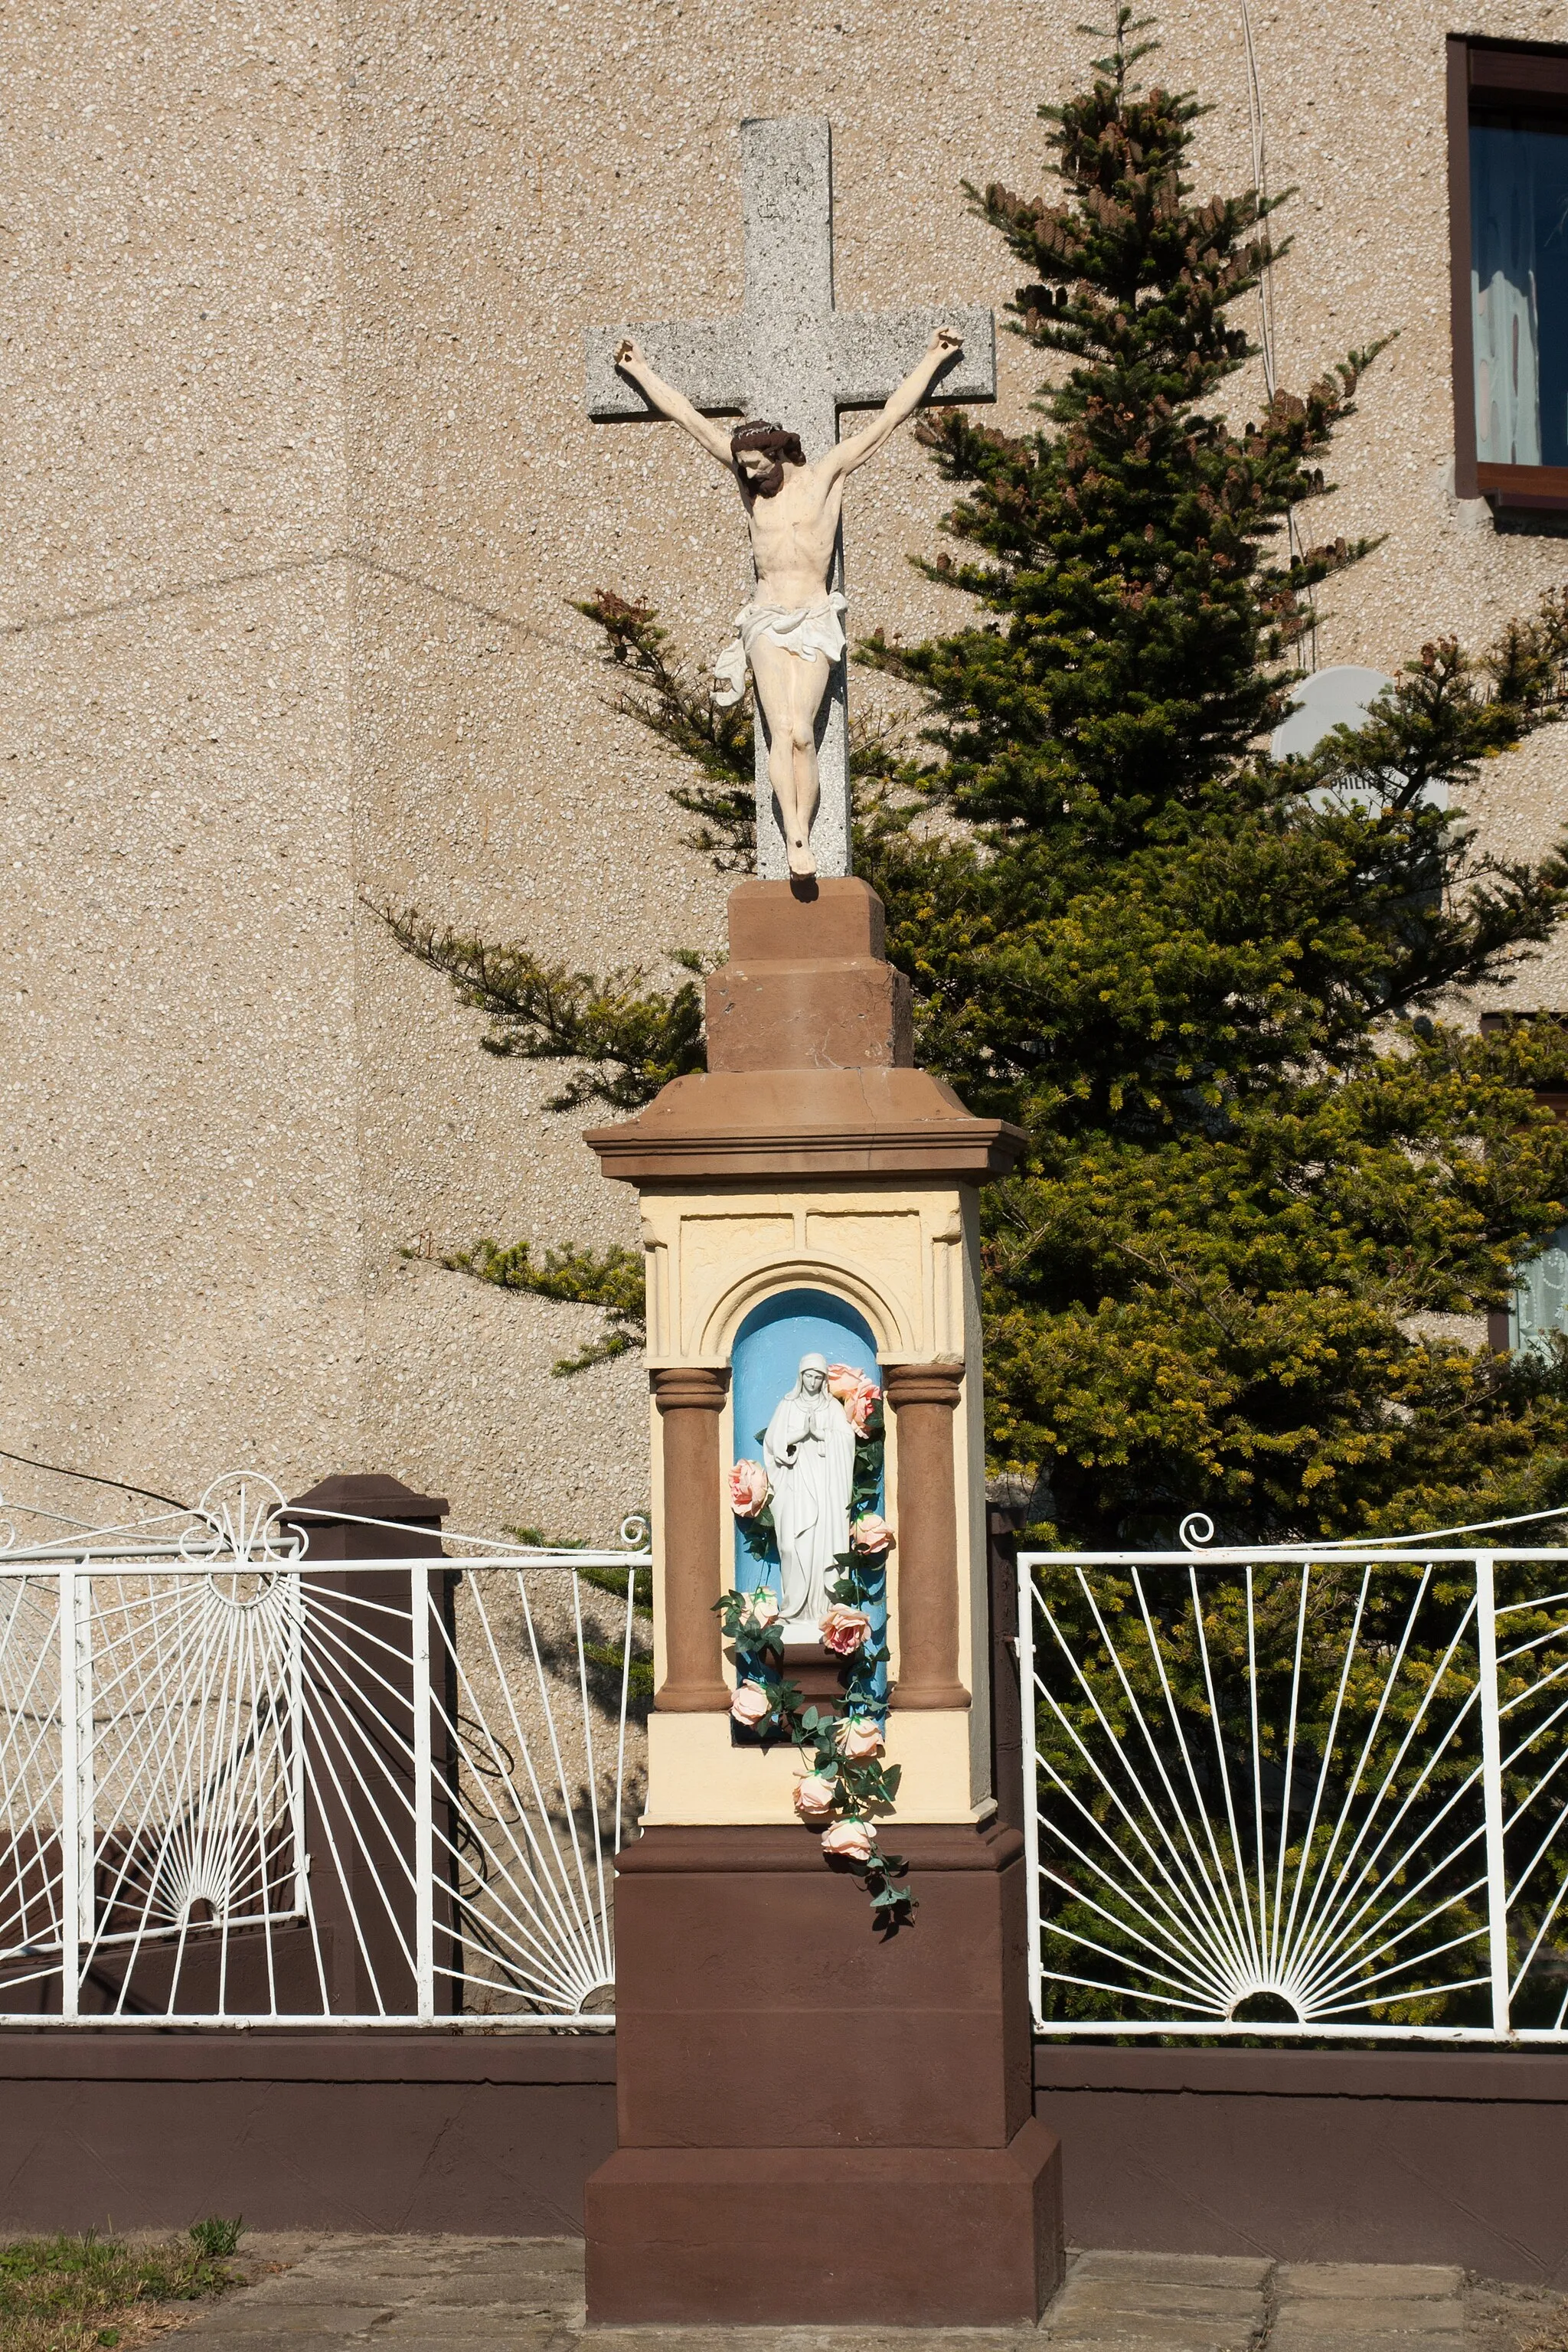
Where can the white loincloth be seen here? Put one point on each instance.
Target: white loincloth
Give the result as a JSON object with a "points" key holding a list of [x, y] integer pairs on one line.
{"points": [[809, 629]]}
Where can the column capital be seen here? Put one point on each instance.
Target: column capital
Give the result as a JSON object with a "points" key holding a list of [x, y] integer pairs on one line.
{"points": [[938, 1383], [690, 1388]]}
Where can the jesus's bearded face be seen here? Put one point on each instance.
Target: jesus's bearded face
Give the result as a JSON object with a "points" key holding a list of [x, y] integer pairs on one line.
{"points": [[759, 452], [765, 474]]}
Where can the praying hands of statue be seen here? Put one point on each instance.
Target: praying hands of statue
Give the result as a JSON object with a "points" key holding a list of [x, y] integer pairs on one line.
{"points": [[813, 1384], [790, 630]]}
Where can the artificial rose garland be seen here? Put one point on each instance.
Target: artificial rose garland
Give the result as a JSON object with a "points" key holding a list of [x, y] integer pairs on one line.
{"points": [[815, 1799], [749, 1489], [857, 1393], [753, 1704], [859, 1738], [851, 1842], [846, 1632], [843, 1775]]}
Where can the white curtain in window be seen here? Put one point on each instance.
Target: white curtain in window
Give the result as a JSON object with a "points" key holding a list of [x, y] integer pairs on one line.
{"points": [[1503, 297], [1540, 1299]]}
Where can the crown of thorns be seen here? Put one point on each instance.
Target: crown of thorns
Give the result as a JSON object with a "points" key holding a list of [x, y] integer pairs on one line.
{"points": [[768, 440]]}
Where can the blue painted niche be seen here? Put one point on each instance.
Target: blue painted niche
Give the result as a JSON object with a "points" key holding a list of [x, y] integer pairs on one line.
{"points": [[765, 1360]]}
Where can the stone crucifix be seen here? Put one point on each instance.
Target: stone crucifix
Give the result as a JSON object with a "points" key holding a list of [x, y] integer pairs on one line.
{"points": [[793, 360]]}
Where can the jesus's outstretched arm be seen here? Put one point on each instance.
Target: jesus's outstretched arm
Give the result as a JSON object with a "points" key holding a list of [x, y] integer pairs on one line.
{"points": [[672, 404], [904, 403]]}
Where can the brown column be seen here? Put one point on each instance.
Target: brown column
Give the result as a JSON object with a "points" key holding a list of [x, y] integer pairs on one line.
{"points": [[691, 1399], [924, 1397]]}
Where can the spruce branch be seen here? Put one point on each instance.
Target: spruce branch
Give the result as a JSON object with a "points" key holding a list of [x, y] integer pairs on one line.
{"points": [[609, 1279], [628, 1038], [660, 694]]}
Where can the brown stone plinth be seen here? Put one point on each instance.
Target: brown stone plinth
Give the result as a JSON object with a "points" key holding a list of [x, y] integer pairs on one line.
{"points": [[807, 985], [801, 2236], [756, 2002], [809, 1051], [733, 1127], [816, 1673]]}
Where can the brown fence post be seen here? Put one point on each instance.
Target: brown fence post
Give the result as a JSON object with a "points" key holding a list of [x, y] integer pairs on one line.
{"points": [[360, 1707], [691, 1397], [925, 1397], [1006, 1698]]}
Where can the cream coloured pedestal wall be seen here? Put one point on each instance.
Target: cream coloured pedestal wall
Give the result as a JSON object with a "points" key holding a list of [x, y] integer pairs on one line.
{"points": [[908, 1258]]}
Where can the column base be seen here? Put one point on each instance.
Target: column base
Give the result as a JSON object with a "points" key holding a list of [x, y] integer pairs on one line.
{"points": [[914, 2237]]}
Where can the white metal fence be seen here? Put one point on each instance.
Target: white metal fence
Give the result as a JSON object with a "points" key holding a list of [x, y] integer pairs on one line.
{"points": [[1283, 1794], [1288, 1794], [242, 1780]]}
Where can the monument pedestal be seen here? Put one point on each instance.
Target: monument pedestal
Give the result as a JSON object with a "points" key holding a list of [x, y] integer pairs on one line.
{"points": [[819, 2119], [818, 2122]]}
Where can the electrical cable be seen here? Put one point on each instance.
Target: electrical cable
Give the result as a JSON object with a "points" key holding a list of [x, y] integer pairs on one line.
{"points": [[90, 1478], [1265, 296]]}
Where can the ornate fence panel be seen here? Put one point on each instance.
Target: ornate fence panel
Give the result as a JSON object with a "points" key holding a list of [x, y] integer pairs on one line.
{"points": [[239, 1783], [1320, 1795]]}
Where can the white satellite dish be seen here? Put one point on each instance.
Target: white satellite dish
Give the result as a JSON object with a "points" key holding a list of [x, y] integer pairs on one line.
{"points": [[1342, 696]]}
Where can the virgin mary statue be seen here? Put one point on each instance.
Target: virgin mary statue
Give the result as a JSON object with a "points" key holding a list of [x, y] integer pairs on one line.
{"points": [[809, 1451]]}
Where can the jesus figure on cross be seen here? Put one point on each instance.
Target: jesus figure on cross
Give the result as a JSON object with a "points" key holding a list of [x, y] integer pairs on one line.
{"points": [[790, 632]]}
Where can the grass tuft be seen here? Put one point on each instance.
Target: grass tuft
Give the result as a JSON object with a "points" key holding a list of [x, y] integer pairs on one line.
{"points": [[216, 2237], [75, 2293]]}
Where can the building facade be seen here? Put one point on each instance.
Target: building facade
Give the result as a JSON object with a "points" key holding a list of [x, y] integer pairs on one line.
{"points": [[300, 483]]}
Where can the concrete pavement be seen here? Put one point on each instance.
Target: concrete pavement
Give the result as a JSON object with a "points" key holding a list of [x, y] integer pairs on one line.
{"points": [[520, 2294]]}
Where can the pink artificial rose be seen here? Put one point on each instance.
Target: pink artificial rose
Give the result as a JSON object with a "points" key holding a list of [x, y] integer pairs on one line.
{"points": [[845, 1630], [814, 1800], [850, 1840], [860, 1407], [858, 1394], [751, 1705], [859, 1739], [748, 1489], [871, 1532], [762, 1609]]}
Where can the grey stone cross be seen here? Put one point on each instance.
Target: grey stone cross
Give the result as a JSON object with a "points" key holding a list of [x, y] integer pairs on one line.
{"points": [[791, 357]]}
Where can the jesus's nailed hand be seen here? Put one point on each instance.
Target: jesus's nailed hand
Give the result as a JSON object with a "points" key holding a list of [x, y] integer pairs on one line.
{"points": [[944, 339], [628, 354]]}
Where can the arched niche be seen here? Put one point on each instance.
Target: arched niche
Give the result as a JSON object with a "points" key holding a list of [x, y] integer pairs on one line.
{"points": [[771, 1339], [889, 1326]]}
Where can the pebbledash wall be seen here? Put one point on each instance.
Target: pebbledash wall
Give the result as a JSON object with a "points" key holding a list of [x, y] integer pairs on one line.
{"points": [[297, 486]]}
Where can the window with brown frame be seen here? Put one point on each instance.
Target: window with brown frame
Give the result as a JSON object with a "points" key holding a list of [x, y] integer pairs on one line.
{"points": [[1508, 198]]}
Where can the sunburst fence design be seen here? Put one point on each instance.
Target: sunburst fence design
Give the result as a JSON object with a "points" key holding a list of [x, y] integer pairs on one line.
{"points": [[237, 1780], [1320, 1795]]}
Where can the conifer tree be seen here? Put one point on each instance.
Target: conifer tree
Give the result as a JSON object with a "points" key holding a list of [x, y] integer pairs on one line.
{"points": [[1224, 994]]}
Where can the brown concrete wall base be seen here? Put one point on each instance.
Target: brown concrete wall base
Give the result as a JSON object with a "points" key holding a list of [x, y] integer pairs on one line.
{"points": [[802, 2236], [1387, 2155], [437, 2131]]}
